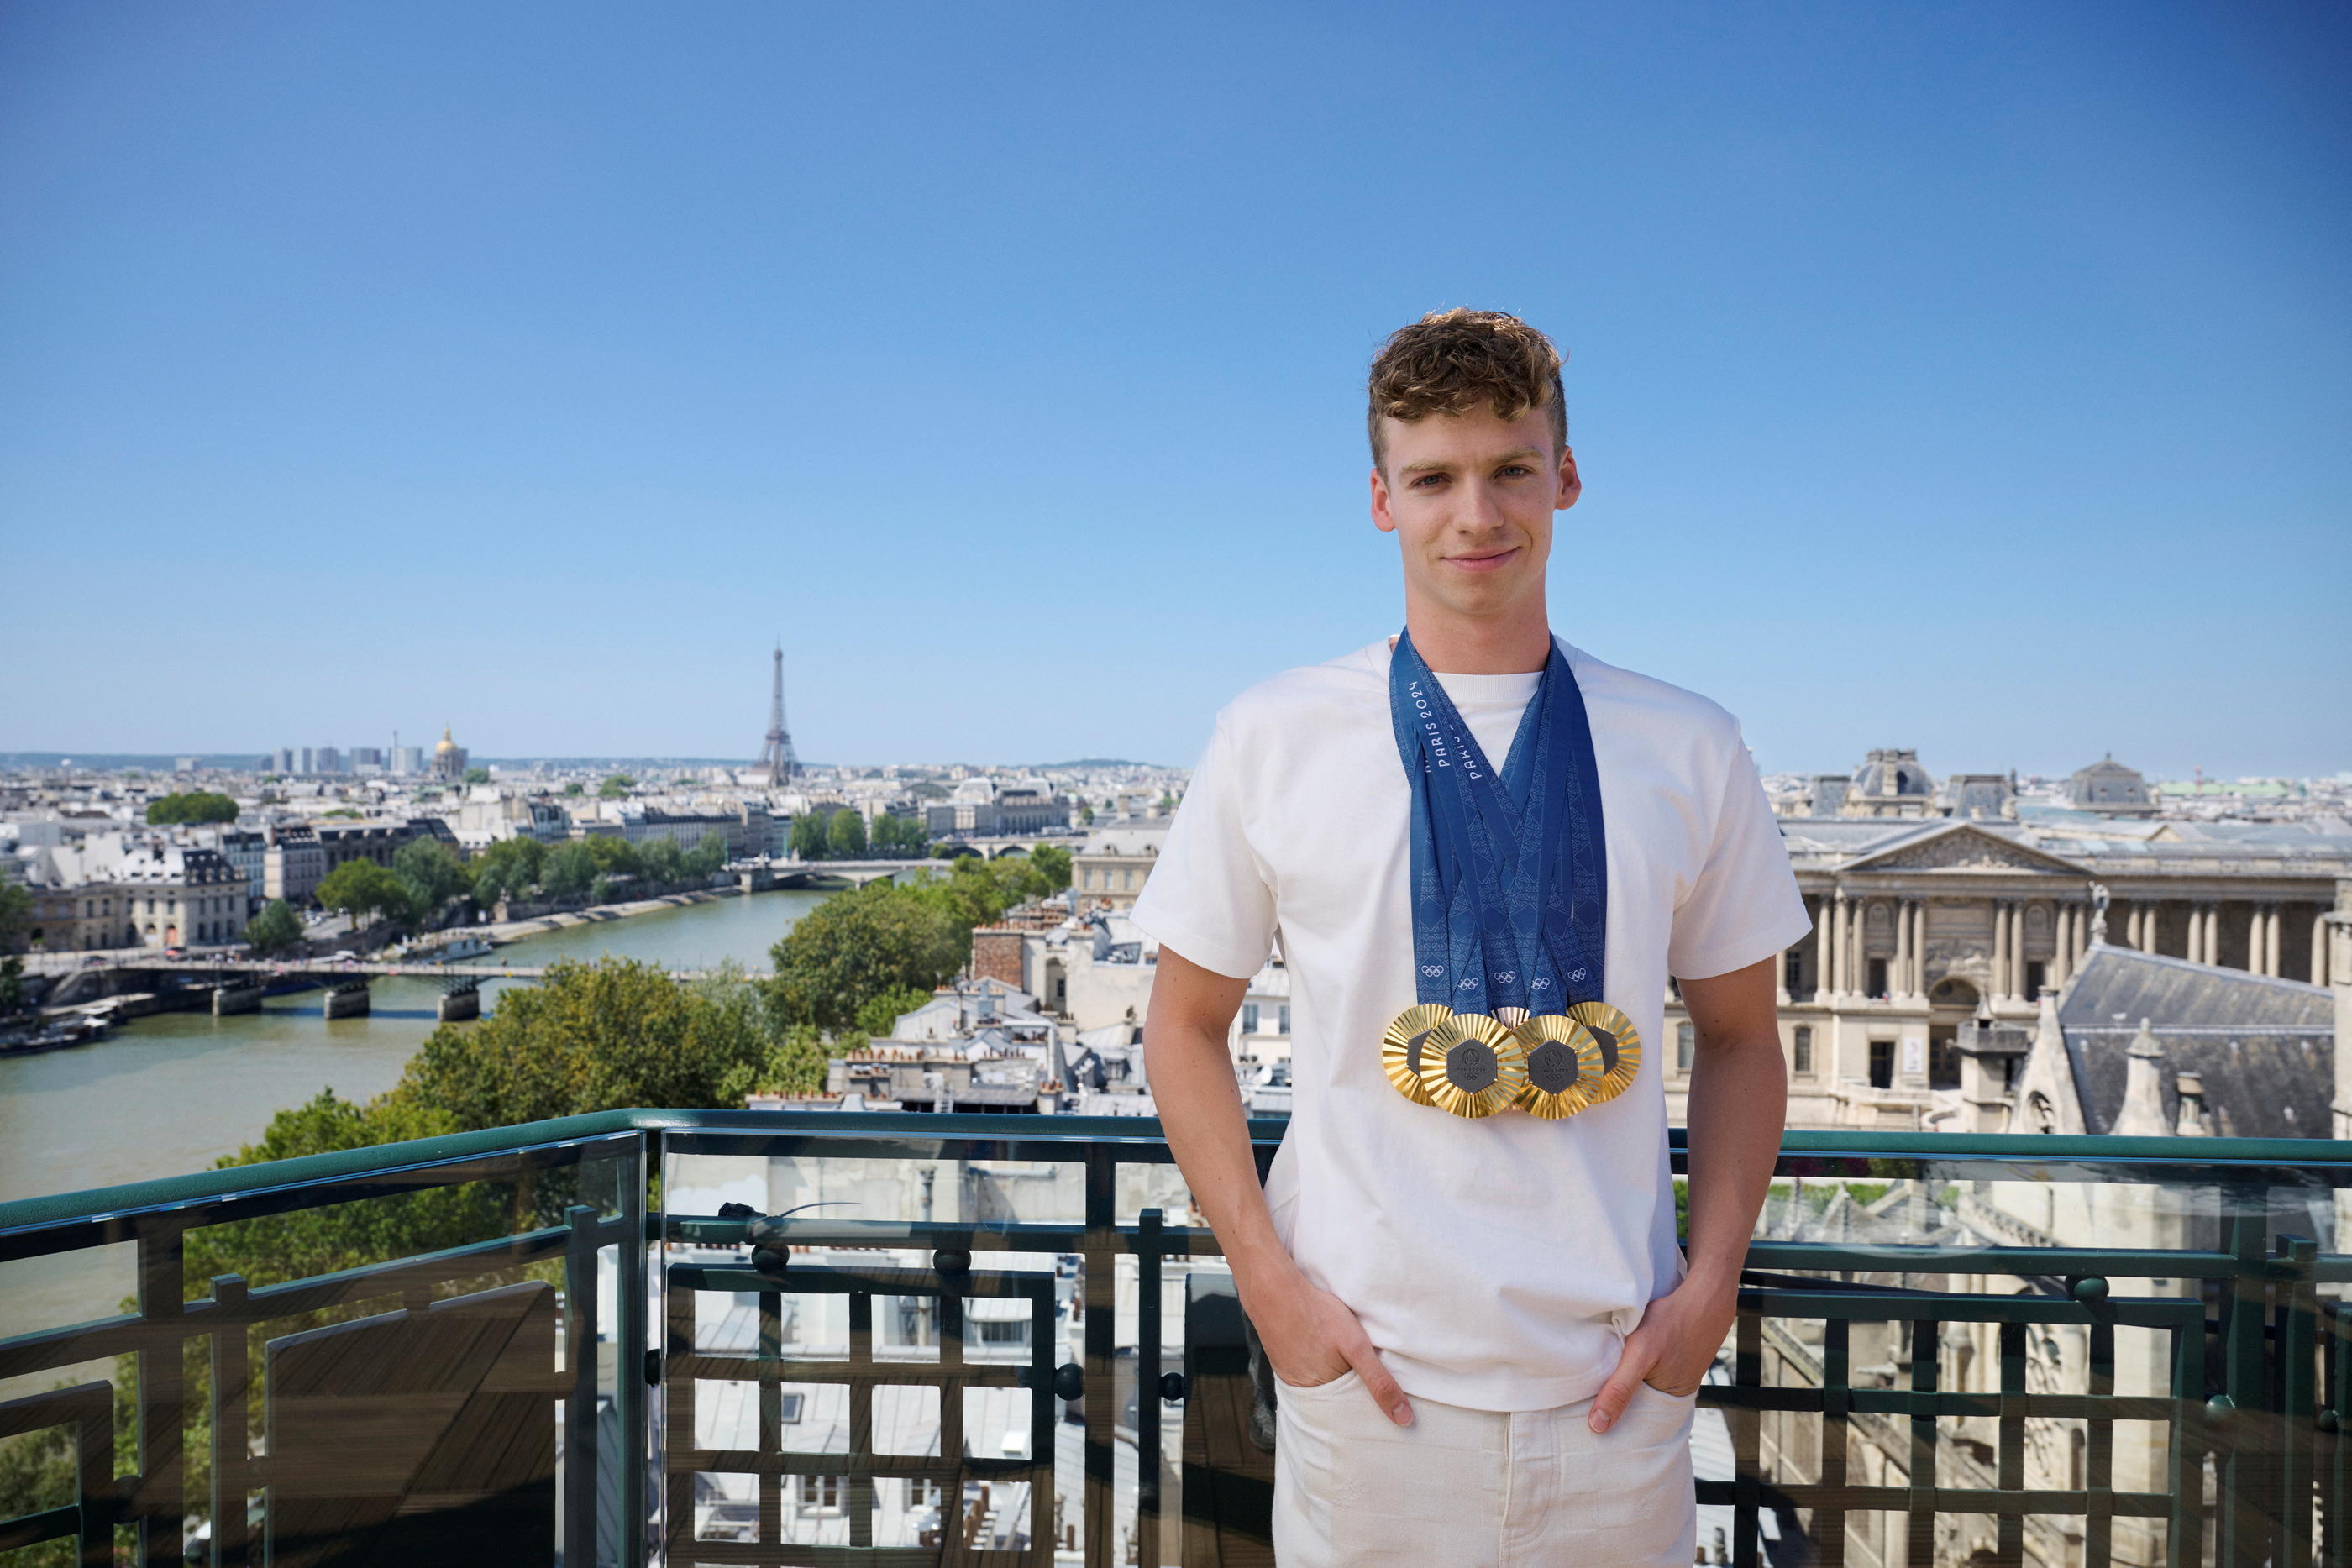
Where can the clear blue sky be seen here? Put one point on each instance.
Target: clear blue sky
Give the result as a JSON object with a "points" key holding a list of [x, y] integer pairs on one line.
{"points": [[1971, 377]]}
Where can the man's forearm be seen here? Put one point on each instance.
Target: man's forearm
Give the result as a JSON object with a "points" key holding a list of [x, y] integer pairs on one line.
{"points": [[1201, 1111], [1738, 1107]]}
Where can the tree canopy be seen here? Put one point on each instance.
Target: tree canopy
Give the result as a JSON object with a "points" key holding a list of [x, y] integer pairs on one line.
{"points": [[197, 805], [845, 835], [476, 776], [860, 945], [431, 872], [615, 787], [277, 929], [360, 888]]}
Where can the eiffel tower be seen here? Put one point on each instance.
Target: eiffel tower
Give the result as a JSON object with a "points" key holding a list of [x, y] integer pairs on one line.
{"points": [[777, 756]]}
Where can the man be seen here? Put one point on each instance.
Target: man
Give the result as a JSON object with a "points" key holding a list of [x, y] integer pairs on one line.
{"points": [[1482, 852]]}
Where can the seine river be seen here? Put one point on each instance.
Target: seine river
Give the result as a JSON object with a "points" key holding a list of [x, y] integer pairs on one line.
{"points": [[173, 1093]]}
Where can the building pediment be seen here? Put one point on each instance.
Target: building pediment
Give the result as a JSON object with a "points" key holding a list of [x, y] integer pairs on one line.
{"points": [[1964, 848]]}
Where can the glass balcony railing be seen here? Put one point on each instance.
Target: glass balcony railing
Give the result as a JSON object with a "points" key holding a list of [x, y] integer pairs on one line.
{"points": [[819, 1338]]}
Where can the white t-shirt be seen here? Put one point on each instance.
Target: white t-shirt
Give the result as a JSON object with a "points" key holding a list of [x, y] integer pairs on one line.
{"points": [[1497, 1264]]}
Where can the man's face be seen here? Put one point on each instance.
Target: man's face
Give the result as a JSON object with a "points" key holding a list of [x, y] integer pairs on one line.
{"points": [[1470, 498]]}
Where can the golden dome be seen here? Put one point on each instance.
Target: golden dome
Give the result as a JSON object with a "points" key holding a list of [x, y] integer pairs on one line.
{"points": [[447, 745]]}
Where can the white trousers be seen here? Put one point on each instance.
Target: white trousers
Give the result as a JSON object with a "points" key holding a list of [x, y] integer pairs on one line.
{"points": [[1480, 1489]]}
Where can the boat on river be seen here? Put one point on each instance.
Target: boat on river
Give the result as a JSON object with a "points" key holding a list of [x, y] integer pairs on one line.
{"points": [[56, 1034]]}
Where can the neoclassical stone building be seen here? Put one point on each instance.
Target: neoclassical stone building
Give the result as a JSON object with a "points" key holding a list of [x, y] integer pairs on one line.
{"points": [[1923, 924]]}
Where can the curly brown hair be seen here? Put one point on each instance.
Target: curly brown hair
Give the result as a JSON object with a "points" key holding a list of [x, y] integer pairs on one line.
{"points": [[1451, 361]]}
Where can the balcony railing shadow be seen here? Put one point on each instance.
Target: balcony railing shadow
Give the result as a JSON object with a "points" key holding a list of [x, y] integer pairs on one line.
{"points": [[803, 1338]]}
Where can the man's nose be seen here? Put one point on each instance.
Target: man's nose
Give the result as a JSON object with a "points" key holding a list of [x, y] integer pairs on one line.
{"points": [[1480, 508]]}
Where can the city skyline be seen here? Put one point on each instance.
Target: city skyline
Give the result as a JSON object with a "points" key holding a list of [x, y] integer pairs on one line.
{"points": [[1963, 380]]}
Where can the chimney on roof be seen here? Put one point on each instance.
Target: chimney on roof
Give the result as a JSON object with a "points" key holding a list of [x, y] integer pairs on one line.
{"points": [[2191, 1089], [2142, 1115]]}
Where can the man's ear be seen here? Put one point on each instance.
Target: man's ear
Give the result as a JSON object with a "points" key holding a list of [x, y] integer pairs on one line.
{"points": [[1572, 483], [1382, 518]]}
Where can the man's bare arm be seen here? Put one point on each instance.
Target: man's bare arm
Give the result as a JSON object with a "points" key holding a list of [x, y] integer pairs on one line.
{"points": [[1309, 1334], [1738, 1107]]}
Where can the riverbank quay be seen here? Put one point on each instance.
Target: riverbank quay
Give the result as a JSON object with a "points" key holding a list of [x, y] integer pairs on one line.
{"points": [[499, 933]]}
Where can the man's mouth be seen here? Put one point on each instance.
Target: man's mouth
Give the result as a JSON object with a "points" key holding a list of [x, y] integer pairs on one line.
{"points": [[1491, 561]]}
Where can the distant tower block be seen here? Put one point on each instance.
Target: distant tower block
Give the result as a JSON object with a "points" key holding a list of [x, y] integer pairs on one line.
{"points": [[777, 757]]}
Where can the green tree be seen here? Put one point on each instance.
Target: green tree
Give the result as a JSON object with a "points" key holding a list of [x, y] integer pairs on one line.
{"points": [[845, 835], [660, 860], [277, 929], [1087, 815], [881, 1011], [809, 842], [1052, 863], [709, 855], [860, 945], [977, 892], [197, 806], [794, 1065], [615, 787], [575, 788], [360, 888], [16, 916], [477, 776], [509, 868], [294, 1246], [568, 870], [591, 1037], [614, 855], [431, 872]]}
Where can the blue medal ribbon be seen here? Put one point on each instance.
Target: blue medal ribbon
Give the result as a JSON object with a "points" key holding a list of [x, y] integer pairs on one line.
{"points": [[1509, 871]]}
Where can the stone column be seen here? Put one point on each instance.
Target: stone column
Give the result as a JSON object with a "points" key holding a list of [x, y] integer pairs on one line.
{"points": [[1898, 977], [2319, 948], [2000, 987], [2206, 948], [2131, 929], [2082, 937], [2271, 943], [1919, 947], [1837, 944], [1824, 949], [2062, 943]]}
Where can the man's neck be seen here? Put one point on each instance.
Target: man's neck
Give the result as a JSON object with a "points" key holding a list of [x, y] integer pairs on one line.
{"points": [[1516, 642]]}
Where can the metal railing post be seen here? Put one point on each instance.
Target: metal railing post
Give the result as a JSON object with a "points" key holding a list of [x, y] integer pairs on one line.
{"points": [[1101, 1345], [2243, 1531], [232, 1390], [580, 1403], [638, 1450], [2009, 1551], [162, 1502], [1148, 1241], [1927, 1348], [2298, 1351]]}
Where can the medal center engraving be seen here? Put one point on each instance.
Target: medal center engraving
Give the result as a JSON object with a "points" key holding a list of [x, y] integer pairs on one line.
{"points": [[1552, 1067], [1471, 1066]]}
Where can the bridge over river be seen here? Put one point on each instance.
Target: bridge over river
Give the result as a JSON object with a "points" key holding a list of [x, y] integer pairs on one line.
{"points": [[131, 983]]}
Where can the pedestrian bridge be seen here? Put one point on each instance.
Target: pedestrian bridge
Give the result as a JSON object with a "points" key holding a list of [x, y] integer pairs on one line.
{"points": [[1002, 1343], [336, 968]]}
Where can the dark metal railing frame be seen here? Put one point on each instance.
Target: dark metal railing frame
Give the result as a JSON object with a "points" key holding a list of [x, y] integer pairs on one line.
{"points": [[2271, 1431]]}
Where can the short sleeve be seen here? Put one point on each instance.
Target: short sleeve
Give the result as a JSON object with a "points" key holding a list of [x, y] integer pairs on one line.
{"points": [[1744, 905], [1208, 896]]}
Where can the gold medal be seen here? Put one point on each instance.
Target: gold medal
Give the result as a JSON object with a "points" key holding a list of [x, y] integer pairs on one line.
{"points": [[1621, 1047], [1565, 1069], [1400, 1053], [1473, 1066]]}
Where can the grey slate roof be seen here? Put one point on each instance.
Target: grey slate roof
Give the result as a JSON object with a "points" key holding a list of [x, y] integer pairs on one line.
{"points": [[2264, 1048]]}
